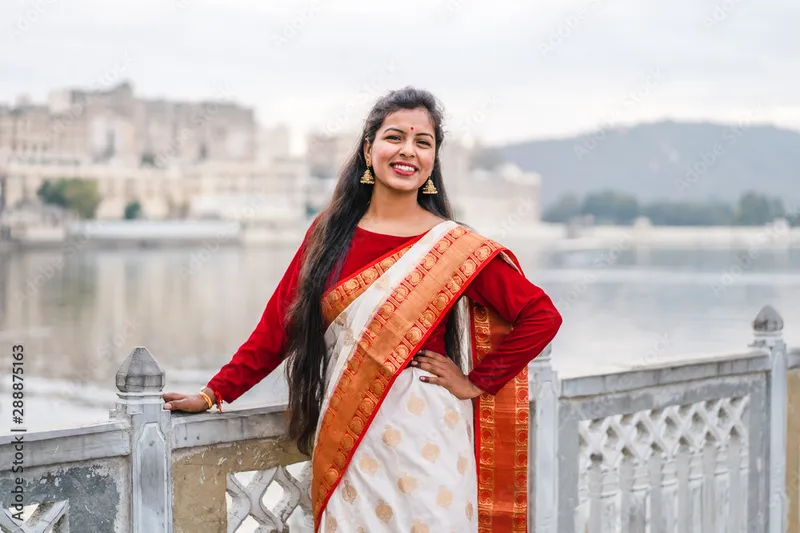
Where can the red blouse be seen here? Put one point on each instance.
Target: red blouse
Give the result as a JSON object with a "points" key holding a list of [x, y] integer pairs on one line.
{"points": [[533, 315]]}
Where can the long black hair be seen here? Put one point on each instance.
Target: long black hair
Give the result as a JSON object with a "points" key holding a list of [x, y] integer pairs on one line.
{"points": [[327, 247]]}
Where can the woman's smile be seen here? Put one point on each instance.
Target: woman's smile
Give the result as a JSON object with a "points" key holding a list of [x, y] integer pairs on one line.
{"points": [[403, 169]]}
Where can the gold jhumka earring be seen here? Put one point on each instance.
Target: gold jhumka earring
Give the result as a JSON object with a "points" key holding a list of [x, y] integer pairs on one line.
{"points": [[429, 187], [367, 178]]}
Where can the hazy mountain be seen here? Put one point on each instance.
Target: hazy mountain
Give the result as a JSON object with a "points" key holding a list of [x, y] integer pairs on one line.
{"points": [[669, 160]]}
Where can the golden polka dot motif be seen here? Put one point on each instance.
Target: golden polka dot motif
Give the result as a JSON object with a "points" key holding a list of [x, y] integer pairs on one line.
{"points": [[330, 524], [349, 492], [462, 465], [368, 465], [391, 436], [406, 484], [444, 497], [384, 511], [430, 452], [419, 527], [415, 404], [451, 417]]}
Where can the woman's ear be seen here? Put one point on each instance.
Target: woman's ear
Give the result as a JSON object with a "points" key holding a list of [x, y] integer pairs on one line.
{"points": [[367, 148]]}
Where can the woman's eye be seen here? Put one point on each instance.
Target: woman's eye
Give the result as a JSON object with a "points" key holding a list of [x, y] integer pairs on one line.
{"points": [[425, 143], [393, 137]]}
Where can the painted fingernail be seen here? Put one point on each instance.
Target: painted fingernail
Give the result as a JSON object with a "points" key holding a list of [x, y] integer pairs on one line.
{"points": [[413, 363], [168, 406], [423, 378]]}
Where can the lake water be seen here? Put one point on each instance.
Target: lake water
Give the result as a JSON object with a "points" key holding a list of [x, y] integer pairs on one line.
{"points": [[79, 315]]}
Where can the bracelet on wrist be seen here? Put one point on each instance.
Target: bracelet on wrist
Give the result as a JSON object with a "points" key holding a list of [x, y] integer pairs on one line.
{"points": [[207, 398]]}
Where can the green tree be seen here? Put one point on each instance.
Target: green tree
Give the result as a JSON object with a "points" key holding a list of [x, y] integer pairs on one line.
{"points": [[53, 193], [147, 160], [79, 196], [563, 210], [670, 213], [757, 209], [133, 210], [610, 206]]}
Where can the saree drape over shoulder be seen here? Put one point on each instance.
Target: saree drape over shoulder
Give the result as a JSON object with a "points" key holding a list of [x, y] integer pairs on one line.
{"points": [[393, 453]]}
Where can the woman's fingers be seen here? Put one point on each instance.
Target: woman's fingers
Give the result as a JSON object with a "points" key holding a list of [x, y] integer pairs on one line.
{"points": [[170, 396], [434, 355], [434, 380], [175, 405], [175, 401], [432, 366]]}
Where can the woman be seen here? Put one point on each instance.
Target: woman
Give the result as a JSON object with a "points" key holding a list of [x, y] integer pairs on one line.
{"points": [[408, 338]]}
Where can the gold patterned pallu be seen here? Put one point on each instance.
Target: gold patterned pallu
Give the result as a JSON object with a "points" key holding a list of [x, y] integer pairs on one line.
{"points": [[376, 321]]}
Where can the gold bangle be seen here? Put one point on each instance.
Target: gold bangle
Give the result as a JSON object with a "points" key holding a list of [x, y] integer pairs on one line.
{"points": [[207, 399]]}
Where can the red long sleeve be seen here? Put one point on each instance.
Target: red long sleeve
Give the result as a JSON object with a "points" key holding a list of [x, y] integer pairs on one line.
{"points": [[535, 320], [265, 349], [533, 315]]}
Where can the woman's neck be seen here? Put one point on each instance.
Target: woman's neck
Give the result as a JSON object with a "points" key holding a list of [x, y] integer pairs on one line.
{"points": [[390, 212]]}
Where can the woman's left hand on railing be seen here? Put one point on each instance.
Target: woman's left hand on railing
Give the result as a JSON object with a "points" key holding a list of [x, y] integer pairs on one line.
{"points": [[446, 374], [191, 403]]}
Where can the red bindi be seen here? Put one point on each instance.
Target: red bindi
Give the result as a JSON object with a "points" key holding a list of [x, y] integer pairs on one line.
{"points": [[412, 128]]}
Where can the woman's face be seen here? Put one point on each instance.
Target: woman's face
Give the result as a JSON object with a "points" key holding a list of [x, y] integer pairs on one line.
{"points": [[404, 150]]}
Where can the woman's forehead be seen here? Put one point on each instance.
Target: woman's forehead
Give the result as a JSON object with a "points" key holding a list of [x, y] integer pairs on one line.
{"points": [[418, 120]]}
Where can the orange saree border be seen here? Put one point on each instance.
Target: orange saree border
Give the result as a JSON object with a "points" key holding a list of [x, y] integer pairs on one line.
{"points": [[501, 436], [392, 337], [347, 291]]}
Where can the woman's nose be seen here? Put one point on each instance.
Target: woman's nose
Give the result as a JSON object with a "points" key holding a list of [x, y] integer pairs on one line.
{"points": [[407, 148]]}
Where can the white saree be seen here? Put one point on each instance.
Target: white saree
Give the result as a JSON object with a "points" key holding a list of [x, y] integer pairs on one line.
{"points": [[393, 453], [414, 469]]}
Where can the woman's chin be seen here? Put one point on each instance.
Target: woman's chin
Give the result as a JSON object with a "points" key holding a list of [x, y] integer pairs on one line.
{"points": [[400, 185]]}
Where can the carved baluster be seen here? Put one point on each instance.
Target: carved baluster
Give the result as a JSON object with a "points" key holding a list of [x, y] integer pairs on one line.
{"points": [[738, 490]]}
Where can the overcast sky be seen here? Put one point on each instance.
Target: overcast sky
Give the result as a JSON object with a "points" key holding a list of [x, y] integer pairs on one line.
{"points": [[505, 69]]}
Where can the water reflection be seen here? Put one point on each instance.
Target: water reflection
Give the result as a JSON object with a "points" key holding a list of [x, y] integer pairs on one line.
{"points": [[79, 315]]}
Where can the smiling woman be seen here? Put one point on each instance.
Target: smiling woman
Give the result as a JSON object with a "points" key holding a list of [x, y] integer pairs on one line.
{"points": [[406, 425]]}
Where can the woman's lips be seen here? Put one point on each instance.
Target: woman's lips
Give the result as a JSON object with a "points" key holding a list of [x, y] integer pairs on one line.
{"points": [[403, 170]]}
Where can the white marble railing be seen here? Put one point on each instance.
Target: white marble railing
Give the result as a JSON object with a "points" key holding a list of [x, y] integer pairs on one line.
{"points": [[695, 447]]}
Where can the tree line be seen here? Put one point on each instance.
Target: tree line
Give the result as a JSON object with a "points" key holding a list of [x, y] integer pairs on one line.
{"points": [[80, 197], [612, 207]]}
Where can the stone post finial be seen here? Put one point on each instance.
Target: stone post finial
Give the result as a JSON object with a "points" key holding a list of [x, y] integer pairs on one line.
{"points": [[140, 372], [768, 320], [767, 328]]}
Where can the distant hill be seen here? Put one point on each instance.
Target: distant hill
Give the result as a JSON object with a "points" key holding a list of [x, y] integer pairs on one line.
{"points": [[667, 160]]}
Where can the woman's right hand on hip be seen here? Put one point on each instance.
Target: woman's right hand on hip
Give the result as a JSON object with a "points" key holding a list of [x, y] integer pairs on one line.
{"points": [[191, 403]]}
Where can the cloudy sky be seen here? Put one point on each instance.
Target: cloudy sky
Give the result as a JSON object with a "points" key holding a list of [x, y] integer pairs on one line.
{"points": [[505, 70]]}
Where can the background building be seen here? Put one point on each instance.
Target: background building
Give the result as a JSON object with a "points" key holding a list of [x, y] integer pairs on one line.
{"points": [[114, 126]]}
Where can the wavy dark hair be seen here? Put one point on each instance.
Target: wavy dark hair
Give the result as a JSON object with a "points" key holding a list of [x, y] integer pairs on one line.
{"points": [[326, 249]]}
